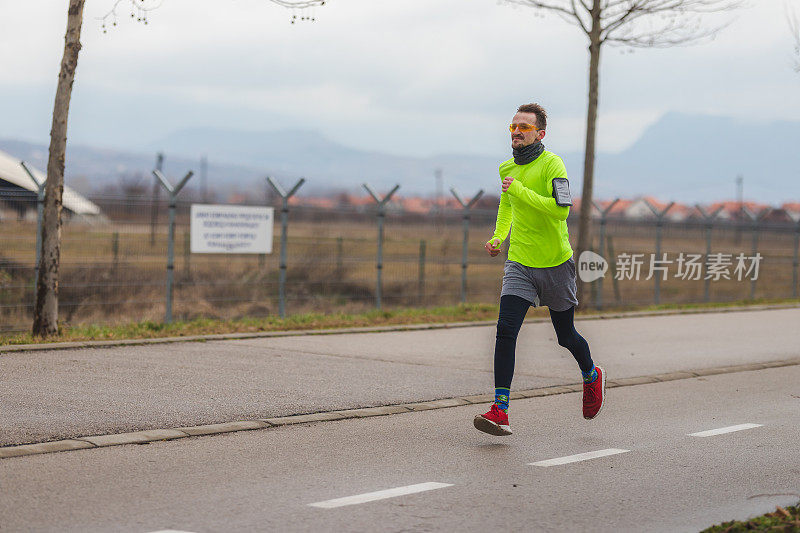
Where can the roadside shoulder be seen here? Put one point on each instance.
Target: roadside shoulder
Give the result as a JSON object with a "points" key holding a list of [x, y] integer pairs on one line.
{"points": [[372, 329]]}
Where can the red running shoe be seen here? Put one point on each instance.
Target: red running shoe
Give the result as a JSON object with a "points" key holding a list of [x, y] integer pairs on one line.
{"points": [[594, 395], [495, 422]]}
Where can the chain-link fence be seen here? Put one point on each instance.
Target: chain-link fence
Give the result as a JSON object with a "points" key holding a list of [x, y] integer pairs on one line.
{"points": [[113, 268]]}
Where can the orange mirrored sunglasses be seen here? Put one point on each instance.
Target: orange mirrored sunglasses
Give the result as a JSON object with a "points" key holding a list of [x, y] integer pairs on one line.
{"points": [[522, 127]]}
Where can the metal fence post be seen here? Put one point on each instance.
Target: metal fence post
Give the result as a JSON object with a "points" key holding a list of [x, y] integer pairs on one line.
{"points": [[465, 247], [39, 214], [613, 269], [421, 282], [115, 249], [154, 201], [187, 246], [173, 199], [284, 231], [381, 215], [603, 218], [755, 219], [339, 254], [709, 223], [659, 224]]}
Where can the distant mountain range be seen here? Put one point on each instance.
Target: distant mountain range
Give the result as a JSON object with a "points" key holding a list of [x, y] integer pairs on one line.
{"points": [[681, 157]]}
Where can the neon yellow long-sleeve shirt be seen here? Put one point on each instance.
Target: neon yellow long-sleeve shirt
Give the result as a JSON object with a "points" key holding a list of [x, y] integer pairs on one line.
{"points": [[539, 237]]}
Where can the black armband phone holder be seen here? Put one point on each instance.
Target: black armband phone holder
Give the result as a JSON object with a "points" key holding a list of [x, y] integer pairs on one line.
{"points": [[561, 192]]}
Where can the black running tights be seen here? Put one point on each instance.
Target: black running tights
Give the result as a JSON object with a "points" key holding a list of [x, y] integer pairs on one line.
{"points": [[512, 313]]}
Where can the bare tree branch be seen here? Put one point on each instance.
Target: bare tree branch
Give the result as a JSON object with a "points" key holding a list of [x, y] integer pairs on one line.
{"points": [[641, 23], [545, 5], [583, 26], [794, 28], [140, 8], [299, 3], [675, 32], [661, 23], [618, 20], [570, 13]]}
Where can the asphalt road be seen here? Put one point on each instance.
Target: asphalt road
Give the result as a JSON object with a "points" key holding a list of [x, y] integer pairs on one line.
{"points": [[59, 394], [267, 480]]}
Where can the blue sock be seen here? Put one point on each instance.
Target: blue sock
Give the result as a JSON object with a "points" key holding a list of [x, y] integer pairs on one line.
{"points": [[501, 395], [589, 377]]}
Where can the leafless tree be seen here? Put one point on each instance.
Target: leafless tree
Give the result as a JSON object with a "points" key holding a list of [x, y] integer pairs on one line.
{"points": [[45, 310], [631, 23]]}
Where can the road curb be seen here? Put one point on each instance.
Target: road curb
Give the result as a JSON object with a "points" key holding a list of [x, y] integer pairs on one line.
{"points": [[44, 447], [153, 435], [225, 427], [135, 437], [12, 348]]}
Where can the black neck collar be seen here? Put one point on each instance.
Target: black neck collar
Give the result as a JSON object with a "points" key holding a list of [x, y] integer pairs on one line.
{"points": [[527, 154]]}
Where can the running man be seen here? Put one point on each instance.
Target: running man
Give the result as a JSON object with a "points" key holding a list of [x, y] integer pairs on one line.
{"points": [[540, 269]]}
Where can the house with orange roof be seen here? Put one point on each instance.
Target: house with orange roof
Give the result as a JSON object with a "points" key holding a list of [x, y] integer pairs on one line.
{"points": [[643, 207], [617, 211], [680, 212], [792, 209], [415, 204], [728, 210], [576, 209], [619, 208], [314, 201], [732, 210]]}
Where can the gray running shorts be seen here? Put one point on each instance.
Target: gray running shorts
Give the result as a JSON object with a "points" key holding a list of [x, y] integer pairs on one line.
{"points": [[553, 287]]}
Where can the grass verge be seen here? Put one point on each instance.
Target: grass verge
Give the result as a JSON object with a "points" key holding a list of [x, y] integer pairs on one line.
{"points": [[782, 520], [207, 326], [437, 315]]}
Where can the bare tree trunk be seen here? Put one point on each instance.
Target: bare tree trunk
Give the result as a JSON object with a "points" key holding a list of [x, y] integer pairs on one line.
{"points": [[585, 222], [45, 312]]}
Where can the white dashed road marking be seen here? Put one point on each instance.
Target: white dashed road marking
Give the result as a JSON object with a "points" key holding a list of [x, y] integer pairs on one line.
{"points": [[720, 431], [578, 457], [379, 495]]}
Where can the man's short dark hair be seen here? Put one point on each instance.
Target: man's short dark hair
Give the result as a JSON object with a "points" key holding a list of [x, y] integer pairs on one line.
{"points": [[536, 109]]}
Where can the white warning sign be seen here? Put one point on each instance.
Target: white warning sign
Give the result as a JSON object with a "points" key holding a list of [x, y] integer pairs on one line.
{"points": [[231, 229]]}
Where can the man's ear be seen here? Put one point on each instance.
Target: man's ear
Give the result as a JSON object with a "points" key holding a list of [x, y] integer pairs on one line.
{"points": [[542, 133]]}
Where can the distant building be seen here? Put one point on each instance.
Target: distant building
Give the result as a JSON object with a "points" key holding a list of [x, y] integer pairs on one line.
{"points": [[18, 194], [734, 211], [792, 209], [680, 212], [643, 208]]}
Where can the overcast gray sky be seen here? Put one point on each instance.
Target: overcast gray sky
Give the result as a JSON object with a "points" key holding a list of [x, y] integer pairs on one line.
{"points": [[411, 77]]}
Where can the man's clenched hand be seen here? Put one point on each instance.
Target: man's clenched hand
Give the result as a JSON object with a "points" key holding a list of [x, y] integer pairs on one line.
{"points": [[507, 184], [493, 246]]}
